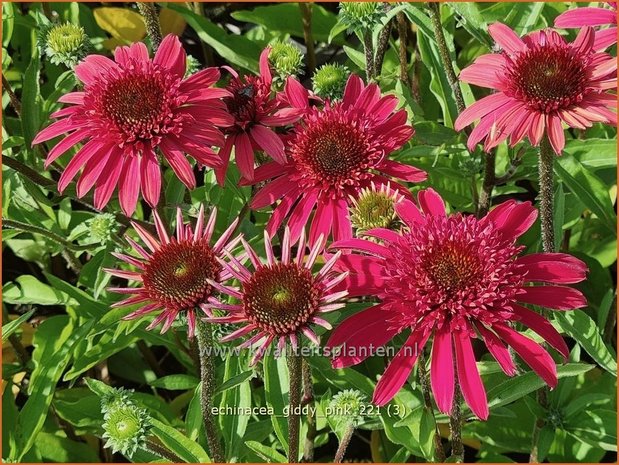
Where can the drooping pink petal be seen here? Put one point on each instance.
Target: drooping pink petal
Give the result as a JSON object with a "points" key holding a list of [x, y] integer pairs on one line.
{"points": [[129, 185], [431, 203], [150, 174], [402, 171], [553, 297], [498, 350], [559, 268], [442, 369], [543, 327], [506, 38], [399, 368], [468, 376], [531, 352], [270, 142]]}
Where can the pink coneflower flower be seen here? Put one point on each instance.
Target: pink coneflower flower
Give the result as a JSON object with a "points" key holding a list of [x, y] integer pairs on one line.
{"points": [[334, 152], [455, 278], [279, 300], [256, 111], [541, 83], [592, 16], [130, 107], [175, 272]]}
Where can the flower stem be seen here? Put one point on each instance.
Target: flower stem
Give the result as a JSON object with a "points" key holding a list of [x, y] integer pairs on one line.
{"points": [[306, 19], [435, 17], [15, 103], [369, 55], [308, 398], [346, 437], [439, 452], [161, 451], [383, 44], [25, 227], [294, 393], [204, 335], [485, 197], [546, 190], [402, 23], [151, 20], [455, 426]]}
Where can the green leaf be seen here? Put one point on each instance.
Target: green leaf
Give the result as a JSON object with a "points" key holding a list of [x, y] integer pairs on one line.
{"points": [[29, 290], [233, 426], [594, 154], [176, 382], [235, 381], [237, 50], [276, 394], [31, 100], [54, 340], [578, 325], [13, 325], [588, 187], [265, 452], [186, 449], [270, 17], [525, 383], [558, 216], [597, 427]]}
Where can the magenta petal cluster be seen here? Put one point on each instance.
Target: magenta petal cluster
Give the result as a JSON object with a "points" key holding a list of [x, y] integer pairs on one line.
{"points": [[279, 299], [454, 278], [333, 153], [256, 112], [593, 16], [174, 272], [542, 82], [130, 110]]}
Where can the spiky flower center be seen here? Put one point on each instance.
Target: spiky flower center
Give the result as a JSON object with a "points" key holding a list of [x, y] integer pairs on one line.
{"points": [[136, 104], [286, 59], [333, 151], [177, 275], [249, 100], [281, 298], [451, 268], [549, 77]]}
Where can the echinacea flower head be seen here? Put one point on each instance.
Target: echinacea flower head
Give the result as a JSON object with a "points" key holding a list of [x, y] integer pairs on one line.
{"points": [[126, 425], [64, 43], [278, 300], [286, 60], [455, 278], [593, 16], [374, 207], [360, 16], [542, 82], [131, 109], [256, 111], [175, 272], [333, 153]]}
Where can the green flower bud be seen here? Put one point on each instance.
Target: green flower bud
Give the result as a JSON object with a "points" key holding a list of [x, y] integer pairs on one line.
{"points": [[329, 81], [102, 227], [65, 44], [360, 16], [469, 166], [286, 59], [125, 425], [374, 208], [347, 406], [192, 66]]}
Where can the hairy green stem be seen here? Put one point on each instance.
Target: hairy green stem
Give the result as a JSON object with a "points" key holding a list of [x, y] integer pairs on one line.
{"points": [[455, 426], [368, 48], [308, 398], [294, 374], [25, 227], [151, 20], [158, 449], [485, 197], [435, 17], [204, 334], [546, 190], [439, 452], [306, 19], [402, 23], [15, 103], [383, 44], [346, 437]]}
